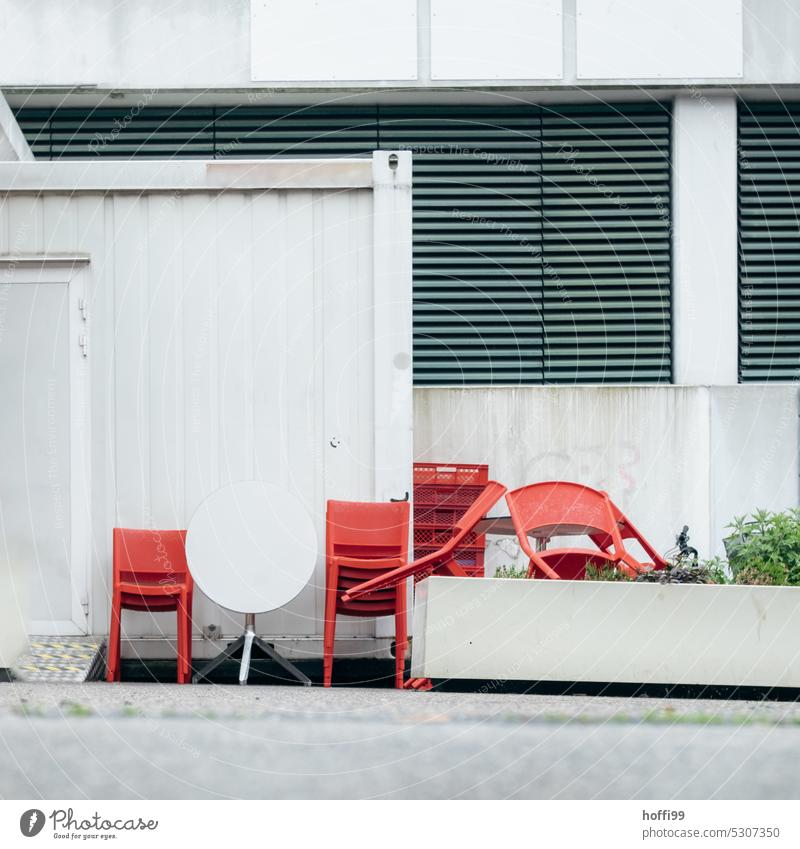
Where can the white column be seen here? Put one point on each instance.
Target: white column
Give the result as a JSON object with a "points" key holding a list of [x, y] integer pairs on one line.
{"points": [[13, 145], [392, 282], [392, 311], [705, 278]]}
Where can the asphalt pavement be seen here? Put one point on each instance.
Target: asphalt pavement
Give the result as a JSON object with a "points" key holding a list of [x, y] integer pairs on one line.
{"points": [[165, 741]]}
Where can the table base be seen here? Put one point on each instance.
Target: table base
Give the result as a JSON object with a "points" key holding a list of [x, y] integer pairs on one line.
{"points": [[244, 646]]}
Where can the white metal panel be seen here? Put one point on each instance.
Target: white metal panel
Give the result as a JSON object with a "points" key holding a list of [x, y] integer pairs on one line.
{"points": [[605, 631], [180, 176], [651, 39], [137, 44], [511, 39], [333, 40]]}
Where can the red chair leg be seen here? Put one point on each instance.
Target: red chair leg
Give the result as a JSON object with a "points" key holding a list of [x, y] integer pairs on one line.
{"points": [[187, 669], [181, 658], [113, 650], [330, 627], [400, 636]]}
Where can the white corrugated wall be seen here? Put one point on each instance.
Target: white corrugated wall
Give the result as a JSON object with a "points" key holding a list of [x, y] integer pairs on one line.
{"points": [[231, 337]]}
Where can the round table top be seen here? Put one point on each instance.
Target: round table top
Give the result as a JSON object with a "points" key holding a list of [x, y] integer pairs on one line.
{"points": [[251, 547]]}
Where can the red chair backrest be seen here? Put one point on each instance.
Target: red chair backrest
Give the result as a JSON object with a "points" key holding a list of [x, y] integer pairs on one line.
{"points": [[541, 509], [150, 556], [363, 531]]}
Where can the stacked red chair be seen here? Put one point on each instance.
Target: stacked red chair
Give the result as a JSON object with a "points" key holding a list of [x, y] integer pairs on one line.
{"points": [[443, 561], [151, 573], [443, 492], [363, 541]]}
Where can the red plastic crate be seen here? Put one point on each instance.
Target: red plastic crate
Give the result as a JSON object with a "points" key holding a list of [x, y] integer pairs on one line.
{"points": [[446, 495], [453, 474], [435, 516], [442, 494], [470, 559], [438, 536]]}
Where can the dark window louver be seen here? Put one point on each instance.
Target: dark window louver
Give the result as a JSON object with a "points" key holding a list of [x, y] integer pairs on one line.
{"points": [[769, 241], [541, 235]]}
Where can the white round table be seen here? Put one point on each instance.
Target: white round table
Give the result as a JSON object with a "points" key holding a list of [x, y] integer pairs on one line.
{"points": [[251, 548]]}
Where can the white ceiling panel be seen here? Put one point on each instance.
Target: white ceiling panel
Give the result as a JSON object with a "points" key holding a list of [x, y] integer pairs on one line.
{"points": [[504, 39], [656, 39], [325, 40]]}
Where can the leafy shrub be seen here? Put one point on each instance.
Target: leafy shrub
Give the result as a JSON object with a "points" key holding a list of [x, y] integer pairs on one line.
{"points": [[600, 573], [511, 572], [765, 548], [717, 570]]}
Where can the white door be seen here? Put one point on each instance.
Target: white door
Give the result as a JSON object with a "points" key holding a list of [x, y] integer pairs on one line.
{"points": [[40, 355]]}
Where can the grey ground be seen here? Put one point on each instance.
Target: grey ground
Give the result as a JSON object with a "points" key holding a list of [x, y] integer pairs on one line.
{"points": [[166, 741]]}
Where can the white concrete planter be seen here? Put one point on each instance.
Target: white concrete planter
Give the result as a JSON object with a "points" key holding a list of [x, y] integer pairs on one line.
{"points": [[501, 629]]}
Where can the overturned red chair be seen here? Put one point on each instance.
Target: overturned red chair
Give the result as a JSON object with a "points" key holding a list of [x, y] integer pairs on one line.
{"points": [[364, 540], [151, 574], [442, 561], [562, 508]]}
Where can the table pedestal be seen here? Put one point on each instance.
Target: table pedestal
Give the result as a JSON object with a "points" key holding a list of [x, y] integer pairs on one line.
{"points": [[244, 647]]}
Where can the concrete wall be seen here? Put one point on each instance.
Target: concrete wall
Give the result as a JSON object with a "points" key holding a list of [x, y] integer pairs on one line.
{"points": [[668, 455], [213, 44]]}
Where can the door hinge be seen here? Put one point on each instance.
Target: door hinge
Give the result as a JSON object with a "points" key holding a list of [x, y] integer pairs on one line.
{"points": [[84, 309], [83, 341]]}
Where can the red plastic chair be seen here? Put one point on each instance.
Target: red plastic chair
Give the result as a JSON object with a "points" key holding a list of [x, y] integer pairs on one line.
{"points": [[561, 508], [364, 539], [151, 573], [441, 561]]}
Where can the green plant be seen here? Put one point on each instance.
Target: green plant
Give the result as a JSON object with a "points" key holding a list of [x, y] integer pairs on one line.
{"points": [[764, 548], [511, 572], [717, 570], [600, 573]]}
